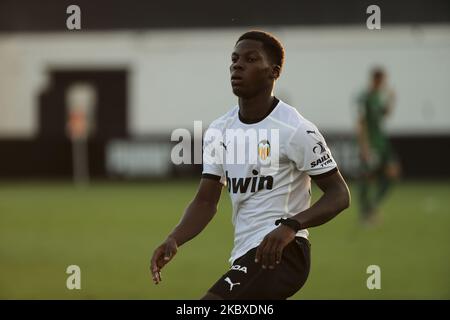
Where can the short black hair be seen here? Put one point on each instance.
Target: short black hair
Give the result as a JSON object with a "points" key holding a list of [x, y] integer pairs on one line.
{"points": [[271, 44]]}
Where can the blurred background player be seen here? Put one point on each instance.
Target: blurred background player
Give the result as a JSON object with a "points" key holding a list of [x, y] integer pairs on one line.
{"points": [[379, 164]]}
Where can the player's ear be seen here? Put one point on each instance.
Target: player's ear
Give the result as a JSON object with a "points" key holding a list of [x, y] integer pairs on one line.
{"points": [[276, 70]]}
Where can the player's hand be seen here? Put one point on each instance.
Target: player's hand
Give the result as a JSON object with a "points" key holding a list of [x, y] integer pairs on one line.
{"points": [[161, 256], [271, 248]]}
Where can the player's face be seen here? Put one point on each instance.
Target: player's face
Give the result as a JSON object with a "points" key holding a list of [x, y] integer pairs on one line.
{"points": [[251, 69], [378, 81]]}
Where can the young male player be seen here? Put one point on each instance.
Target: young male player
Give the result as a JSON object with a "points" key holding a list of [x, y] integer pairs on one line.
{"points": [[378, 161], [271, 209]]}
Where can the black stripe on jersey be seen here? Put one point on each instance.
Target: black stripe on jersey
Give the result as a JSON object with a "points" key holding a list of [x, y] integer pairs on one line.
{"points": [[211, 176], [325, 174]]}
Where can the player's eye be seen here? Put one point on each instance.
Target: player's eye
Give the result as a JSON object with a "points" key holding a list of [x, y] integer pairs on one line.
{"points": [[233, 59], [251, 59]]}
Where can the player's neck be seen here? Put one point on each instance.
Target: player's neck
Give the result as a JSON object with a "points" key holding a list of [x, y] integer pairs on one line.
{"points": [[256, 108]]}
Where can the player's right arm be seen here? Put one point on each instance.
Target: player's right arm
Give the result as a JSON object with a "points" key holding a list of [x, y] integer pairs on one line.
{"points": [[361, 129], [196, 216]]}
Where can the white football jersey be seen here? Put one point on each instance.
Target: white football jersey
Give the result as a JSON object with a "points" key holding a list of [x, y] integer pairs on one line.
{"points": [[266, 167]]}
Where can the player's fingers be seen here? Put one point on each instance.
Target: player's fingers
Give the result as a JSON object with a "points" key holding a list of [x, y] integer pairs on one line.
{"points": [[265, 254], [154, 262], [157, 271], [156, 277], [272, 255], [154, 268], [259, 251], [279, 254]]}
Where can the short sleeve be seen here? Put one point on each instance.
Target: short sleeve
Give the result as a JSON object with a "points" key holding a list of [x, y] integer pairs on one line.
{"points": [[308, 150], [213, 155]]}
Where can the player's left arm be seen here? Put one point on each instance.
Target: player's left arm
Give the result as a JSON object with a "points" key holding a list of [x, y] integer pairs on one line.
{"points": [[335, 199]]}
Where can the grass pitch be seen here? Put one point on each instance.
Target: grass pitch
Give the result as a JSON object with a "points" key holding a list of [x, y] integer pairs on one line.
{"points": [[110, 231]]}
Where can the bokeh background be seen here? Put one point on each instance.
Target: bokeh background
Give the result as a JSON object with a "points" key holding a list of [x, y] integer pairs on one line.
{"points": [[146, 68]]}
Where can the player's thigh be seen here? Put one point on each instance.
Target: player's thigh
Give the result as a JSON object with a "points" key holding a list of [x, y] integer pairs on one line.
{"points": [[248, 280], [211, 296], [293, 270]]}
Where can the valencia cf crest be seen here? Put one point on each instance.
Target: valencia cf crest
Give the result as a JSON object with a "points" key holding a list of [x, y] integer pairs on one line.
{"points": [[264, 149]]}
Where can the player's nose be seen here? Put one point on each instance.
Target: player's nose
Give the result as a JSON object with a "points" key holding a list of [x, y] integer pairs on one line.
{"points": [[236, 66]]}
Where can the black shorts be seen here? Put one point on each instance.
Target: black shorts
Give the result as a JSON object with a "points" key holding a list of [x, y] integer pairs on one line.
{"points": [[248, 280]]}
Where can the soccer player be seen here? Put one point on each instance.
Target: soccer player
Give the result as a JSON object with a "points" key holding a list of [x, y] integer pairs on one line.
{"points": [[378, 162], [271, 209]]}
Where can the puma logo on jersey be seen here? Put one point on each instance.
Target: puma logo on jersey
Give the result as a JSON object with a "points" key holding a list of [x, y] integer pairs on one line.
{"points": [[223, 145], [255, 183], [239, 268], [228, 280], [326, 159]]}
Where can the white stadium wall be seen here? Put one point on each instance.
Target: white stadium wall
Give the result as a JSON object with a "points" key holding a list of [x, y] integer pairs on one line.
{"points": [[176, 77]]}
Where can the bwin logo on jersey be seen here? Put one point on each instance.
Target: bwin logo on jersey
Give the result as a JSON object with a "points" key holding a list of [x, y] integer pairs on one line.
{"points": [[256, 183]]}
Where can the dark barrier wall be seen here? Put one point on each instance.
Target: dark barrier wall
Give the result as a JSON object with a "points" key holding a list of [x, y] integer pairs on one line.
{"points": [[110, 115], [421, 157], [50, 15]]}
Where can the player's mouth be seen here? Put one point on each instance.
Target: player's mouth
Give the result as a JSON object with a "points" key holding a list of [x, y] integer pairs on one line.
{"points": [[236, 80]]}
